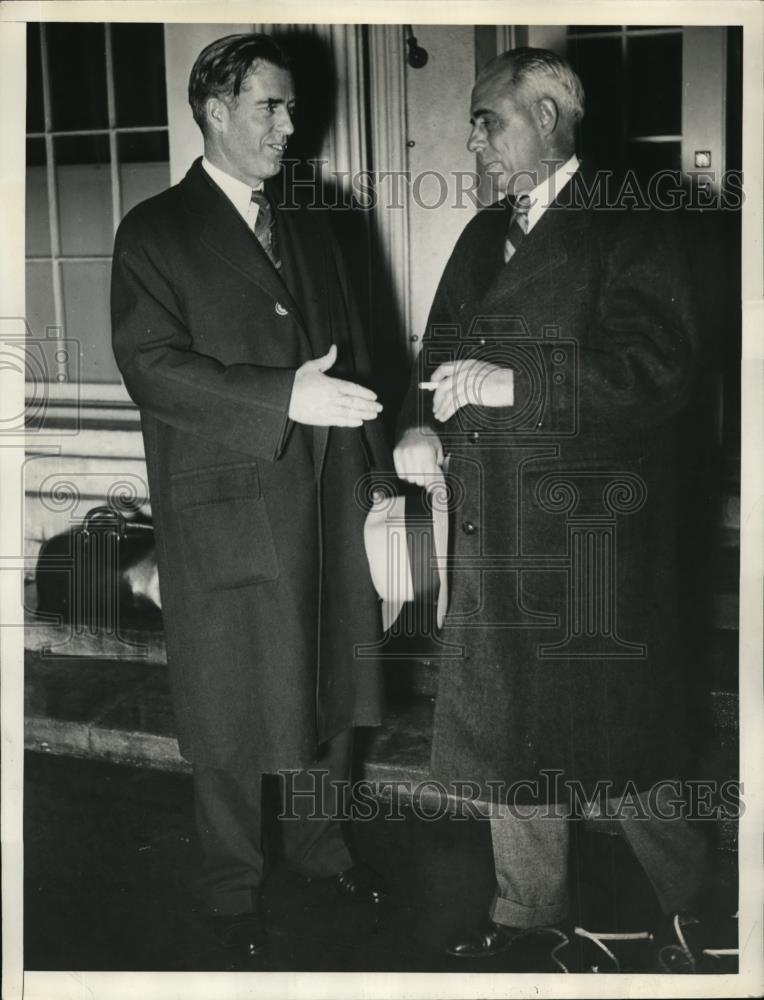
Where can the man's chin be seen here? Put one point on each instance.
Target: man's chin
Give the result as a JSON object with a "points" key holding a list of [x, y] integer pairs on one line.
{"points": [[269, 167], [499, 182]]}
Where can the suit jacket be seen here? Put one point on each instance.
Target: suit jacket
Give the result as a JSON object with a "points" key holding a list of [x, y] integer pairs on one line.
{"points": [[264, 584], [563, 562]]}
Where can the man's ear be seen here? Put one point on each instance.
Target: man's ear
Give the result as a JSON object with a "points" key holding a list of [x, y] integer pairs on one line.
{"points": [[217, 114], [547, 115]]}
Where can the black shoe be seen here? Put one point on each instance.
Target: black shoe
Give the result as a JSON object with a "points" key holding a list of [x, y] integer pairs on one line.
{"points": [[362, 883], [242, 938], [484, 941]]}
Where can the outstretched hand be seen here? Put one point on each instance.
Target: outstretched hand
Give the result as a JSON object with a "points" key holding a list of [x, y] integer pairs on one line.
{"points": [[320, 400]]}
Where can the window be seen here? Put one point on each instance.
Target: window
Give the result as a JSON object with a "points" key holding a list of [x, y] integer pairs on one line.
{"points": [[632, 79], [97, 144]]}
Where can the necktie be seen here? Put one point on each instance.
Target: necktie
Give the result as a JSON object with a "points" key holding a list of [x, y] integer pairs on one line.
{"points": [[265, 227], [518, 226]]}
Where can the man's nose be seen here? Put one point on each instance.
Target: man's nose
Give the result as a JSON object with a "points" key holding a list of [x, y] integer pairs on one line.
{"points": [[286, 125], [476, 139]]}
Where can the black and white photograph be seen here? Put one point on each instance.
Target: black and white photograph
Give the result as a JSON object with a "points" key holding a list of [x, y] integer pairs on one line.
{"points": [[381, 492]]}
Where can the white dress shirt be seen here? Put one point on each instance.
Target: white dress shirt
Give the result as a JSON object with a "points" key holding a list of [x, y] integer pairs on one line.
{"points": [[237, 192], [544, 194]]}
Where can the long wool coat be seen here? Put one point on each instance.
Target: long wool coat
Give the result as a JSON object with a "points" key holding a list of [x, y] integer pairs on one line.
{"points": [[265, 588], [565, 655]]}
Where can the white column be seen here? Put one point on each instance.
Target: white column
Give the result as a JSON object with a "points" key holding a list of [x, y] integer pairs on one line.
{"points": [[388, 137], [346, 143]]}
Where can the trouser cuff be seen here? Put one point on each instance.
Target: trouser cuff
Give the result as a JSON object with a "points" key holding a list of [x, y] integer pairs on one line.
{"points": [[514, 914]]}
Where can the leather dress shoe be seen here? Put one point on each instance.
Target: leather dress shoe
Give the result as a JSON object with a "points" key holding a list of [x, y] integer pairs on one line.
{"points": [[486, 940], [242, 936], [362, 883]]}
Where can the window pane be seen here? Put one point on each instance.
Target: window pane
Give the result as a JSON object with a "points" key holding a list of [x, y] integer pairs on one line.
{"points": [[139, 77], [144, 166], [647, 159], [86, 311], [77, 62], [83, 182], [35, 115], [654, 95], [37, 220], [599, 63], [41, 311]]}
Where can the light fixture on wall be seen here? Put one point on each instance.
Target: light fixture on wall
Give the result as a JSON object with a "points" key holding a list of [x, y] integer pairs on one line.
{"points": [[417, 56]]}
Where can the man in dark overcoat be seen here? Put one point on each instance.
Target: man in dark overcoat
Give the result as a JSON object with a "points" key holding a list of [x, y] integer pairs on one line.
{"points": [[559, 351], [237, 336]]}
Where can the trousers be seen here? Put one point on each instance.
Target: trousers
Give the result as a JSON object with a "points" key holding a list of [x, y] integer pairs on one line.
{"points": [[229, 822], [531, 860]]}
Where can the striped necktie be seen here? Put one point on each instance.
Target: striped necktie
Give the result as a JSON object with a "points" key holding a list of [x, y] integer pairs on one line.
{"points": [[518, 226], [265, 227]]}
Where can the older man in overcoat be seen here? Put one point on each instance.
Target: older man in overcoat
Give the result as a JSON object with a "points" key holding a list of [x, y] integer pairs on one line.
{"points": [[238, 337], [559, 351]]}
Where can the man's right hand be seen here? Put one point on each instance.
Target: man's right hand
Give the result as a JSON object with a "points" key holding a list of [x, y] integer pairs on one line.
{"points": [[323, 401], [418, 456]]}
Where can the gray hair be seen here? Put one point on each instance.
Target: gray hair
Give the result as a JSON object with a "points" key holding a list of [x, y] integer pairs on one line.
{"points": [[540, 73]]}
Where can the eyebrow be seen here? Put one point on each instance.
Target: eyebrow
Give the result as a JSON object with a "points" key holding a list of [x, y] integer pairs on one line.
{"points": [[276, 100], [480, 113]]}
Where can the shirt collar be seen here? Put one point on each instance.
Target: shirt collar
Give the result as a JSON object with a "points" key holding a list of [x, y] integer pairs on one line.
{"points": [[239, 193], [542, 196]]}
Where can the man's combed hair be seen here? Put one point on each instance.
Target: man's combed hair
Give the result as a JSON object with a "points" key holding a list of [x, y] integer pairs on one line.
{"points": [[542, 73], [221, 68]]}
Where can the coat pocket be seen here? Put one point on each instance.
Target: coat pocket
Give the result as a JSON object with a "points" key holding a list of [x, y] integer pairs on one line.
{"points": [[224, 528]]}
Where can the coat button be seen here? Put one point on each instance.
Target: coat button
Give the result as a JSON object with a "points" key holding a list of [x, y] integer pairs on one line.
{"points": [[482, 341], [474, 437], [468, 528], [280, 310]]}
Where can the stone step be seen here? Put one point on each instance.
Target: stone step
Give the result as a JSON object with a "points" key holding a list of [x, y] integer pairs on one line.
{"points": [[121, 713]]}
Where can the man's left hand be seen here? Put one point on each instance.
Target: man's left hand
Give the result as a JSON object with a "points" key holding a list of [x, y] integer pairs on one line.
{"points": [[471, 382]]}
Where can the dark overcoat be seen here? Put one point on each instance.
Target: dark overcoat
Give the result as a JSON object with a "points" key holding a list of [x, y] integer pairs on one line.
{"points": [[265, 587], [565, 654]]}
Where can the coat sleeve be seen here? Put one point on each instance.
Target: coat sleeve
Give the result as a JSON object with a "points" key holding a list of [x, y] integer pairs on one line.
{"points": [[243, 407]]}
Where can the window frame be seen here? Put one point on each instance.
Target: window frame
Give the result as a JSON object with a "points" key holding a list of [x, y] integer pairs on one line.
{"points": [[67, 390]]}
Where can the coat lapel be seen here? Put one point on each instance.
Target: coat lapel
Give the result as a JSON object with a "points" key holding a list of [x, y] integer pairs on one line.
{"points": [[304, 266], [304, 271], [224, 232], [549, 245], [540, 252]]}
